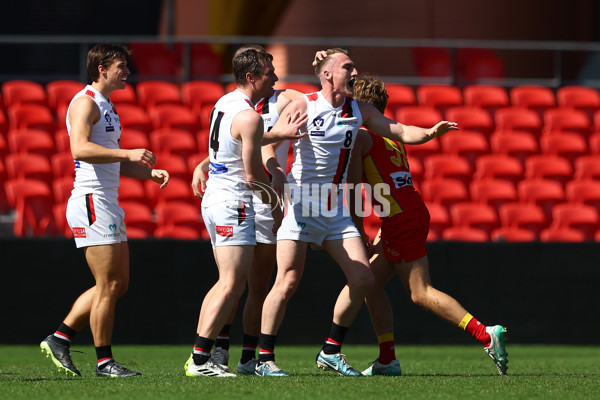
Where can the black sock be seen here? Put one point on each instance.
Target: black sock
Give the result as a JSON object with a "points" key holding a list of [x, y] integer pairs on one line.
{"points": [[248, 348], [267, 347], [104, 355], [223, 338], [202, 350], [64, 334], [334, 341]]}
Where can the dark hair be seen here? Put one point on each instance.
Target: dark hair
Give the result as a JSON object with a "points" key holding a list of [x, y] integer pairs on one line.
{"points": [[245, 47], [371, 89], [104, 54], [250, 61]]}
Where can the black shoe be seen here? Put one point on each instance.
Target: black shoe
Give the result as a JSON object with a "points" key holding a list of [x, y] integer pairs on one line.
{"points": [[115, 370], [60, 355]]}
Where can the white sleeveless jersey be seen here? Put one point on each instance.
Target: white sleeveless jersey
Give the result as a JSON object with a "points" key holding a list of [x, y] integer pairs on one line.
{"points": [[99, 179], [267, 108], [323, 155], [227, 175]]}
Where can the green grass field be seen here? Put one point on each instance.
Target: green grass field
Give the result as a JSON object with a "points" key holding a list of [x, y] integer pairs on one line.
{"points": [[430, 372]]}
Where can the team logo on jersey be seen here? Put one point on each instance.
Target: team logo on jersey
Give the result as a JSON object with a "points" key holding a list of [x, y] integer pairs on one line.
{"points": [[301, 225], [79, 233], [109, 127], [318, 124], [225, 231]]}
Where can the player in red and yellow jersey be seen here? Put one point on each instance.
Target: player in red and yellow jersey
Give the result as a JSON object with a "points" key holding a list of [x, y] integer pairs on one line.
{"points": [[401, 248]]}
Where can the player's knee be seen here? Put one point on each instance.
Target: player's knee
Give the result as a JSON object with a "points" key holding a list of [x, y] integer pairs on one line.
{"points": [[363, 282]]}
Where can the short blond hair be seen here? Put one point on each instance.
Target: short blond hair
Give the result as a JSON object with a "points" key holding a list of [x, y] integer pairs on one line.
{"points": [[330, 53]]}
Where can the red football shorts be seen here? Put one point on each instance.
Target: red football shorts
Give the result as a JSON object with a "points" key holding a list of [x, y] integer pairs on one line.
{"points": [[404, 235]]}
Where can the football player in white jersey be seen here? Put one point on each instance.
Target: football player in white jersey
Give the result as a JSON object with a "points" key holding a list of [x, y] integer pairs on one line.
{"points": [[93, 212], [316, 212], [263, 260]]}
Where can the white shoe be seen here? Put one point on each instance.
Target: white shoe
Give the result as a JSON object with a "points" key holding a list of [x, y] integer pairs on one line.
{"points": [[209, 368], [377, 368], [221, 356]]}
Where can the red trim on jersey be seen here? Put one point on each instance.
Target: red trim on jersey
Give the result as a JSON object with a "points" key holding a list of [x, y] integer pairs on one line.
{"points": [[90, 93], [312, 96], [91, 210], [347, 111], [249, 103], [259, 106]]}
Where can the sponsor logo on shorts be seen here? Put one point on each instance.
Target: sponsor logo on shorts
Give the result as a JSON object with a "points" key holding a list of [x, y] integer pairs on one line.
{"points": [[225, 231], [113, 229], [79, 232], [301, 225]]}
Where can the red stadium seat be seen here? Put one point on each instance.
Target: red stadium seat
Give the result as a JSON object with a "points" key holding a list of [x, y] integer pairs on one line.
{"points": [[31, 116], [177, 233], [444, 191], [135, 117], [302, 87], [512, 234], [3, 121], [581, 98], [471, 118], [421, 151], [576, 216], [134, 139], [399, 96], [587, 167], [543, 192], [62, 188], [33, 203], [175, 164], [465, 234], [177, 190], [173, 141], [487, 97], [33, 141], [151, 93], [566, 119], [498, 166], [528, 216], [474, 215], [196, 94], [518, 119], [493, 192], [479, 64], [440, 97], [202, 141], [62, 165], [59, 212], [61, 92], [154, 60], [174, 116], [29, 166], [584, 191], [439, 218], [448, 166], [131, 189], [416, 169], [568, 145], [535, 98], [554, 234], [180, 214], [517, 144], [594, 141], [546, 166], [62, 141], [124, 96], [23, 91], [230, 87], [468, 144], [138, 215], [431, 62]]}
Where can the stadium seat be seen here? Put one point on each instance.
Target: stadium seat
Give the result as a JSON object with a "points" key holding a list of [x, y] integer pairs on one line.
{"points": [[532, 97], [444, 191], [569, 145], [59, 212], [493, 192], [302, 87], [432, 236], [174, 116], [512, 234], [581, 98], [464, 234], [62, 165], [439, 219], [131, 189], [518, 119], [28, 166], [448, 166], [124, 96], [576, 216], [138, 215], [134, 139], [399, 96], [594, 142], [543, 192], [177, 190], [61, 92], [32, 141], [33, 201], [175, 164], [3, 201], [152, 93], [154, 61], [135, 117], [518, 144], [62, 141], [440, 97], [23, 91], [230, 87], [547, 166], [179, 213], [177, 233], [193, 161], [422, 116], [421, 151], [587, 167], [498, 166], [554, 234], [521, 215], [173, 141], [584, 191], [196, 94], [202, 141], [487, 97], [133, 232], [465, 143], [431, 62], [416, 169], [474, 215], [3, 122], [62, 188], [31, 116], [566, 119], [476, 65], [471, 118]]}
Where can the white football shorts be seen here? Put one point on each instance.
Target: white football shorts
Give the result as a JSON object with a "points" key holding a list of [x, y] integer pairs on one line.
{"points": [[230, 223], [95, 221]]}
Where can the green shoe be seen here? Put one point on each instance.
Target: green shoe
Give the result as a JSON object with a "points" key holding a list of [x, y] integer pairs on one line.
{"points": [[496, 349], [60, 356]]}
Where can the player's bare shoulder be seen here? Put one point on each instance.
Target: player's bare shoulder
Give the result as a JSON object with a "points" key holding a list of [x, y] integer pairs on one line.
{"points": [[246, 123]]}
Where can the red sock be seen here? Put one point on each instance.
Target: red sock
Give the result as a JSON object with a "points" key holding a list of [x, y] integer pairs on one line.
{"points": [[477, 330], [387, 350]]}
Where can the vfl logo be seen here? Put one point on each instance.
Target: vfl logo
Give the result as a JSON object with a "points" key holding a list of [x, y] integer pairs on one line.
{"points": [[112, 227], [109, 127], [318, 124], [301, 225]]}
